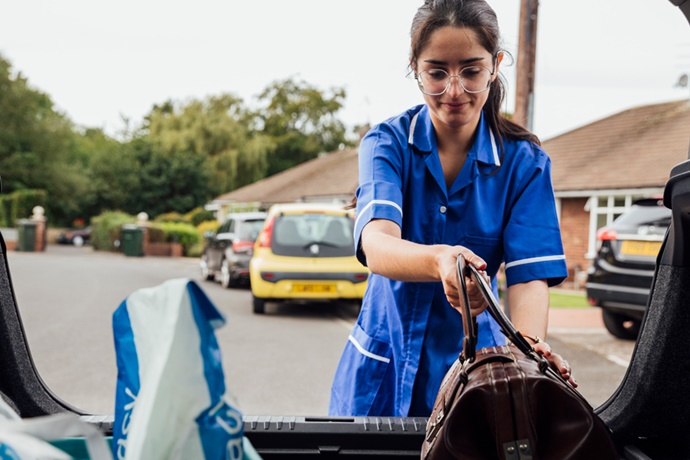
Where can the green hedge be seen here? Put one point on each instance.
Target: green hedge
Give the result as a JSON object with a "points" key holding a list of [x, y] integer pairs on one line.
{"points": [[106, 230], [182, 233], [20, 205]]}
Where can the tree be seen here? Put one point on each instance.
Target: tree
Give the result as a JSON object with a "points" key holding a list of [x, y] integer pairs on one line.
{"points": [[217, 129], [35, 143], [301, 121]]}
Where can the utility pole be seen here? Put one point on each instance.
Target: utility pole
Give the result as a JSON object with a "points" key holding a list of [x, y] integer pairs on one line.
{"points": [[526, 58]]}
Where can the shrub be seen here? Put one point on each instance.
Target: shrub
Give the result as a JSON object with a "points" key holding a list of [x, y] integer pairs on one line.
{"points": [[175, 217], [207, 226], [182, 233], [198, 215], [106, 230]]}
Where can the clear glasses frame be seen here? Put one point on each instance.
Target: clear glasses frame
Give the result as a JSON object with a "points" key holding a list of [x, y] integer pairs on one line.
{"points": [[467, 71]]}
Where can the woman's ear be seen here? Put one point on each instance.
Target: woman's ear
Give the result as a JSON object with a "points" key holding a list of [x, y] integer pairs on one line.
{"points": [[499, 59]]}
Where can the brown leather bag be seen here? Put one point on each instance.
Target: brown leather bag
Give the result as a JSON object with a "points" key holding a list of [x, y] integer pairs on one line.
{"points": [[507, 403]]}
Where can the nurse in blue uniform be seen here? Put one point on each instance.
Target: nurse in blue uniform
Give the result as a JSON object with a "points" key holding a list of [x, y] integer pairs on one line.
{"points": [[449, 176]]}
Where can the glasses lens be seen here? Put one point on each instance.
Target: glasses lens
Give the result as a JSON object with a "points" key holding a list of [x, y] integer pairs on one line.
{"points": [[433, 81], [475, 79]]}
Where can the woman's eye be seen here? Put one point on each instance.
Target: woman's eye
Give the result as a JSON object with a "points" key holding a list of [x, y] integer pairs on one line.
{"points": [[437, 74]]}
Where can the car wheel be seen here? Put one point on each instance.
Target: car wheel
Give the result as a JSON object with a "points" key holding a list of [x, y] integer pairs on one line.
{"points": [[206, 274], [78, 241], [621, 326], [226, 275], [259, 305]]}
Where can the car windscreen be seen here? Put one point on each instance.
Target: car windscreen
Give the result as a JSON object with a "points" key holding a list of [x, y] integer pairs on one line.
{"points": [[313, 235], [249, 229]]}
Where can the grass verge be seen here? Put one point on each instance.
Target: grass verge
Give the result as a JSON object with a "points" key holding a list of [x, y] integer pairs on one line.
{"points": [[568, 300]]}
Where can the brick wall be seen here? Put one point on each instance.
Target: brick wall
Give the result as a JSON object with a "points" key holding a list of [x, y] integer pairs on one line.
{"points": [[575, 233]]}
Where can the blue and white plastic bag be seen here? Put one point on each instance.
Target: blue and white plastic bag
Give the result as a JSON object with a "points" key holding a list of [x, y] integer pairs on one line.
{"points": [[29, 439], [171, 400]]}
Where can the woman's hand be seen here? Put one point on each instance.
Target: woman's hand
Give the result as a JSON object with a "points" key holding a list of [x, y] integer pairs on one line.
{"points": [[557, 362], [449, 278]]}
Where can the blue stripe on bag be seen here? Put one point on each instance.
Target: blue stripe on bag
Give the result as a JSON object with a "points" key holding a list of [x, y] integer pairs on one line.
{"points": [[128, 383], [220, 426]]}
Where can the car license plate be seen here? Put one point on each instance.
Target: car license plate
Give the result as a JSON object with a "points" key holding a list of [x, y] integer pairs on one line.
{"points": [[316, 288], [641, 248]]}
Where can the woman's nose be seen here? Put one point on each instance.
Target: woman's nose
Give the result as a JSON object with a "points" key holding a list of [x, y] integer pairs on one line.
{"points": [[455, 87]]}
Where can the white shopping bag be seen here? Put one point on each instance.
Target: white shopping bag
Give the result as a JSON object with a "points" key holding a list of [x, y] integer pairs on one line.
{"points": [[28, 439], [171, 400]]}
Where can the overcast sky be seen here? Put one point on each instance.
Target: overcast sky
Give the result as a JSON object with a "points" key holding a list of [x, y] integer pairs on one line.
{"points": [[101, 61]]}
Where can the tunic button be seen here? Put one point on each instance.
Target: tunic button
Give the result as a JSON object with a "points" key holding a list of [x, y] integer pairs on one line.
{"points": [[443, 209]]}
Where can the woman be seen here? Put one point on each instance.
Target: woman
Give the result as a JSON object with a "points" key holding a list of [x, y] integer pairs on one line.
{"points": [[447, 177]]}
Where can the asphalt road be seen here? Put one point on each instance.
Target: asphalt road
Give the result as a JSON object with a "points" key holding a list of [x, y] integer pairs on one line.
{"points": [[280, 363]]}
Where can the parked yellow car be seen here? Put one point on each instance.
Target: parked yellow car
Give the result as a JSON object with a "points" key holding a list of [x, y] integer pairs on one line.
{"points": [[305, 252]]}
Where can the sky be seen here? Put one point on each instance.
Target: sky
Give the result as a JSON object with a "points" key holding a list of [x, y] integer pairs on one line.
{"points": [[104, 62]]}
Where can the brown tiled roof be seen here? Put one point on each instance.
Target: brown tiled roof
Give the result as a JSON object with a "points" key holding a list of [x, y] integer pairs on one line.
{"points": [[631, 149], [333, 174]]}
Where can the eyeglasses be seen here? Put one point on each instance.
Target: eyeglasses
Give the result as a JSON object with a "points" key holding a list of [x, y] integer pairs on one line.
{"points": [[474, 79]]}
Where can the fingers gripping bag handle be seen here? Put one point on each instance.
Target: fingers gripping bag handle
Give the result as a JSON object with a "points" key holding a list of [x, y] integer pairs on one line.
{"points": [[470, 342]]}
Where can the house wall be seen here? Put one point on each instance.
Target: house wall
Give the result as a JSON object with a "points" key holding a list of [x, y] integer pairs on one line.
{"points": [[575, 233]]}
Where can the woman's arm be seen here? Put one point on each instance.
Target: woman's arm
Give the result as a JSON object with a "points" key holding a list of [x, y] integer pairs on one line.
{"points": [[391, 256], [529, 310]]}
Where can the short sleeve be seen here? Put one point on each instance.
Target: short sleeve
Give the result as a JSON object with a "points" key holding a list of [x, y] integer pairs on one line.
{"points": [[532, 236], [379, 195]]}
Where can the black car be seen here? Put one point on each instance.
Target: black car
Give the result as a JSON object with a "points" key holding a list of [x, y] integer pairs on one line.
{"points": [[227, 252], [77, 237], [621, 275]]}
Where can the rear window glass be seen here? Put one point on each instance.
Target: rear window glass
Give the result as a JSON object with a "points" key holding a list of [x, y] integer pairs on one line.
{"points": [[249, 229], [313, 235], [644, 215]]}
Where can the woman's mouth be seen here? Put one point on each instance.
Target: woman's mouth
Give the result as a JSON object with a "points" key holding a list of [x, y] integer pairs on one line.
{"points": [[455, 105]]}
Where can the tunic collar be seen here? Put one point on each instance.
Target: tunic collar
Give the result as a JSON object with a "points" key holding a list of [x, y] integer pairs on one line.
{"points": [[423, 138]]}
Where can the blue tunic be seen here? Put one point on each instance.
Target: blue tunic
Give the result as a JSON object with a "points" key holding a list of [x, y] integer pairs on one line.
{"points": [[501, 207]]}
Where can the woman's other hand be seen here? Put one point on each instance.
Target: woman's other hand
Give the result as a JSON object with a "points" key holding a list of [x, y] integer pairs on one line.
{"points": [[557, 362]]}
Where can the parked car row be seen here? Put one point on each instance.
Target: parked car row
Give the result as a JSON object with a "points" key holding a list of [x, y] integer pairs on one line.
{"points": [[295, 252]]}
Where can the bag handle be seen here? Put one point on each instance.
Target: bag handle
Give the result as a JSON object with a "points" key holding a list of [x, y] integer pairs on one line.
{"points": [[469, 343]]}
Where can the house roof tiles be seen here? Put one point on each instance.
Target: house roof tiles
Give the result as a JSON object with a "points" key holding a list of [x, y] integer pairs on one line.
{"points": [[631, 149]]}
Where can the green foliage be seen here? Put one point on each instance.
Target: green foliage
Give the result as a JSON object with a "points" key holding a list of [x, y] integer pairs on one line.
{"points": [[24, 201], [156, 234], [301, 121], [35, 145], [20, 205], [4, 222], [172, 217], [106, 229], [167, 183], [184, 154], [217, 129], [182, 233], [207, 226], [198, 215]]}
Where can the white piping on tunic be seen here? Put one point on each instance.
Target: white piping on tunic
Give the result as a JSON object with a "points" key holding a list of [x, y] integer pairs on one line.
{"points": [[413, 123], [494, 149], [533, 260], [373, 202], [366, 353]]}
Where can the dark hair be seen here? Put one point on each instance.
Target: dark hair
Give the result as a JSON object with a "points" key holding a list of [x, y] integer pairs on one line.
{"points": [[481, 18]]}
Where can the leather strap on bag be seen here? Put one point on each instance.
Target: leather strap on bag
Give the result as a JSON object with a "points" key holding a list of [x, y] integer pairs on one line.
{"points": [[469, 343]]}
